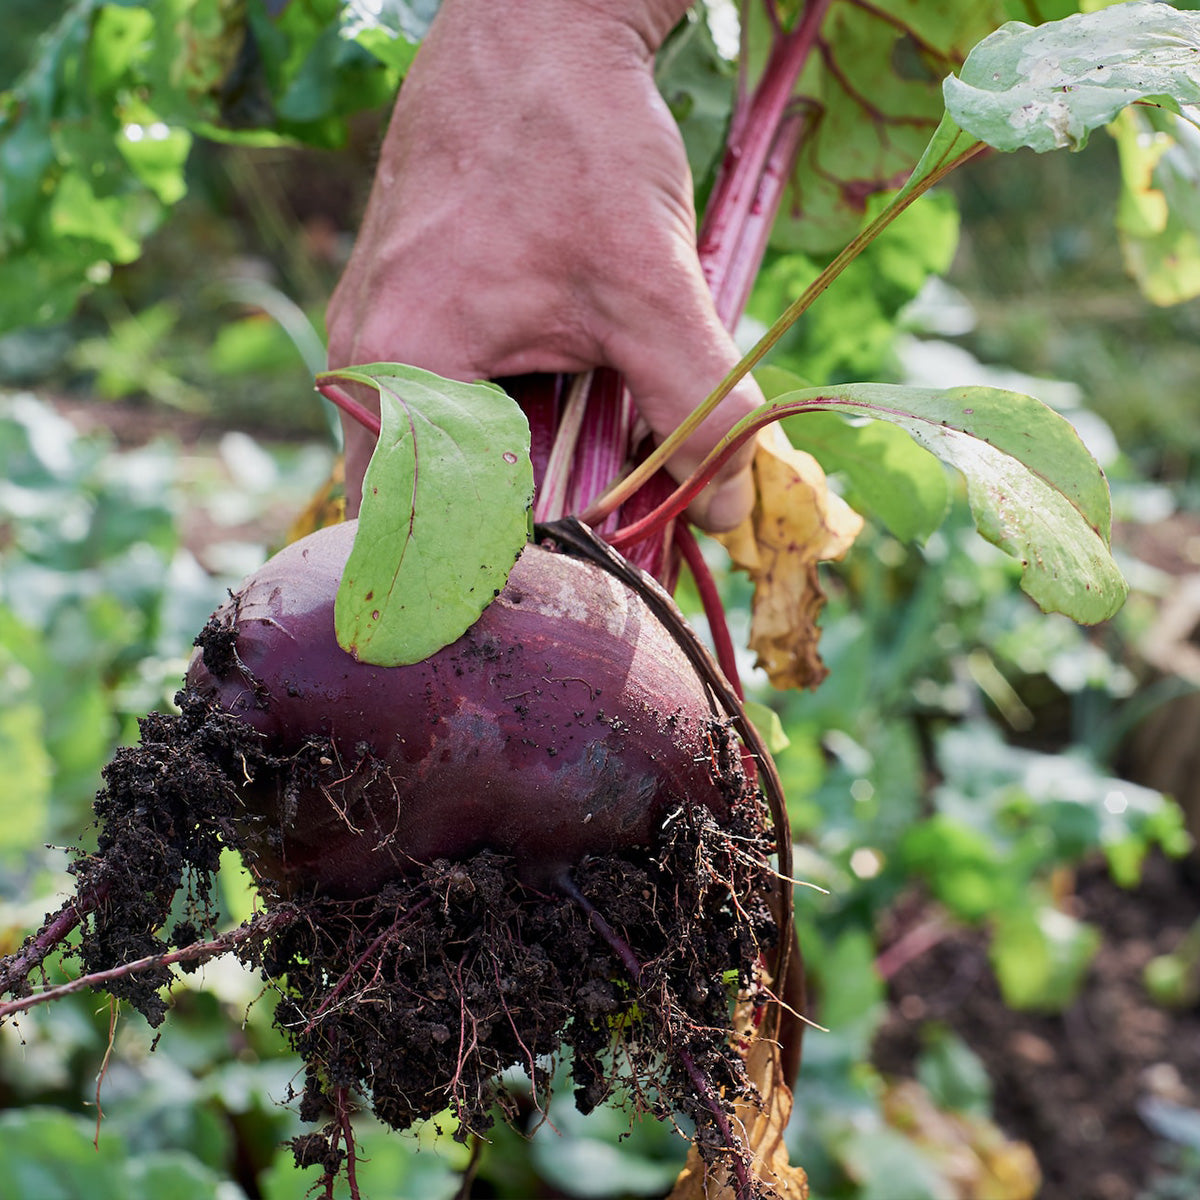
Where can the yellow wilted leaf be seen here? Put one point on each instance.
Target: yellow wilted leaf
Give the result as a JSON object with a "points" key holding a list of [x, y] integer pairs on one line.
{"points": [[977, 1160], [327, 506], [796, 523]]}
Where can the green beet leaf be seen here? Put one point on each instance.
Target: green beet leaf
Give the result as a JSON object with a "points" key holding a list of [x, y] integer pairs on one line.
{"points": [[872, 97], [888, 476], [1048, 87], [445, 514], [1034, 489]]}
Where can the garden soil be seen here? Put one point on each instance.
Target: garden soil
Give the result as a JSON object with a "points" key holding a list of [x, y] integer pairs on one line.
{"points": [[1074, 1085]]}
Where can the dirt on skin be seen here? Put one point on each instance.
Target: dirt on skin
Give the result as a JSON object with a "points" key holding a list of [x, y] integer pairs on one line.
{"points": [[1074, 1085], [419, 997]]}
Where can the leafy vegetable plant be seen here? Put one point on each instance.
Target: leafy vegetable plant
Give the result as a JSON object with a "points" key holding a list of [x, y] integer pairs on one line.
{"points": [[1043, 88], [498, 798]]}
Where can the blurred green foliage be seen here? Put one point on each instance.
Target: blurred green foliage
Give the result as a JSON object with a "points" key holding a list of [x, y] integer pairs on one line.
{"points": [[1052, 296], [95, 134], [960, 748]]}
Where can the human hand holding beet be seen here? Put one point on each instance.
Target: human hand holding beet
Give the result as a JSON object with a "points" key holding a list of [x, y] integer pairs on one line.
{"points": [[532, 212]]}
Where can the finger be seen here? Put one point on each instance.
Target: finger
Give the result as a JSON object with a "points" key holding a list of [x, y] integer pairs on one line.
{"points": [[671, 366]]}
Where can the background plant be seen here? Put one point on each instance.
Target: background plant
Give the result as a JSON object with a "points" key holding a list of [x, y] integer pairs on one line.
{"points": [[930, 650]]}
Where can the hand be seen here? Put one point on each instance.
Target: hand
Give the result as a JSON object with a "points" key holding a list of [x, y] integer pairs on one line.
{"points": [[532, 212]]}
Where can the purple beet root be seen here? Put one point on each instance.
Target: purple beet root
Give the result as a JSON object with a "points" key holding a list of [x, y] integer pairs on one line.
{"points": [[565, 722], [536, 840]]}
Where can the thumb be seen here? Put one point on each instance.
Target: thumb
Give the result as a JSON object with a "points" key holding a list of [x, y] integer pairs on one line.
{"points": [[670, 367]]}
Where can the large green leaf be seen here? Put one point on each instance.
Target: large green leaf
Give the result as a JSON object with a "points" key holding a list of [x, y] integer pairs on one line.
{"points": [[1048, 87], [445, 514], [888, 476], [1042, 87], [871, 97], [1034, 489]]}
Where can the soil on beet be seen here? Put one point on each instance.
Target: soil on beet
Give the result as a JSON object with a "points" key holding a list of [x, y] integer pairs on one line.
{"points": [[1072, 1085], [423, 995], [164, 816], [419, 997]]}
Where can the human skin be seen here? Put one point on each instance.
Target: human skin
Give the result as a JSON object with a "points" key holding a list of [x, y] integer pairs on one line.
{"points": [[532, 212]]}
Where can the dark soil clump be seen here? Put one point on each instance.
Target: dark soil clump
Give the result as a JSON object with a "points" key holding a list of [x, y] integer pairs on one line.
{"points": [[424, 995], [169, 806], [421, 996]]}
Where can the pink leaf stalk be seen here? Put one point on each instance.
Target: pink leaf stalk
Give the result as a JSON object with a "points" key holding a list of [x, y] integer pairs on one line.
{"points": [[760, 152]]}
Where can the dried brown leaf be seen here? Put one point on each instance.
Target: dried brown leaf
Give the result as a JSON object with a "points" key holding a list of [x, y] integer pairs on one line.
{"points": [[796, 523], [761, 1123]]}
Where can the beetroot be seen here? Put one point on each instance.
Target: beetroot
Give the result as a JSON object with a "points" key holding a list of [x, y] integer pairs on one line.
{"points": [[565, 722], [540, 841]]}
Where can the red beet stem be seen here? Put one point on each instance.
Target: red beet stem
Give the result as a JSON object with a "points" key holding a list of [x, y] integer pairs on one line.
{"points": [[714, 610], [739, 202], [351, 407]]}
